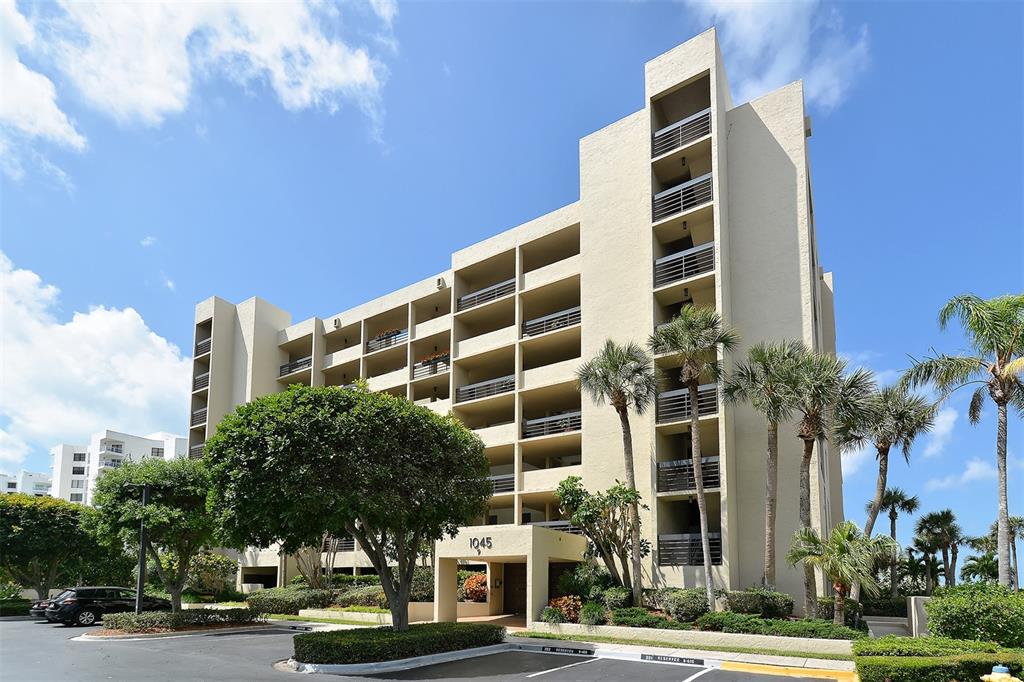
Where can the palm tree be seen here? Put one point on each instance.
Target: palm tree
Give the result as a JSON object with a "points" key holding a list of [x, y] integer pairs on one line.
{"points": [[624, 377], [1016, 533], [824, 396], [694, 339], [942, 527], [983, 566], [928, 546], [995, 329], [764, 382], [894, 501], [847, 558]]}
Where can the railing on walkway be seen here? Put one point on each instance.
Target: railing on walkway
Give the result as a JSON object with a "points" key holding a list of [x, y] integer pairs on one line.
{"points": [[549, 323], [681, 133], [682, 197], [689, 263], [678, 474]]}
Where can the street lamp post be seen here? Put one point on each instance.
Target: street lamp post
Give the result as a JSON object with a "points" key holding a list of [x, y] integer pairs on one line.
{"points": [[140, 582]]}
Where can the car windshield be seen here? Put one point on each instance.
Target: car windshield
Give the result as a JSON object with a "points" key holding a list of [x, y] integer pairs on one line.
{"points": [[65, 593]]}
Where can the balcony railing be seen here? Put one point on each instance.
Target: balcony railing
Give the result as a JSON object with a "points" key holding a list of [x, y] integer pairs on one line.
{"points": [[549, 323], [485, 389], [289, 367], [196, 451], [681, 132], [678, 475], [110, 463], [559, 423], [688, 263], [198, 417], [685, 549], [503, 483], [486, 294], [201, 381], [203, 347], [675, 405], [343, 544], [431, 367], [563, 526], [387, 340], [682, 197]]}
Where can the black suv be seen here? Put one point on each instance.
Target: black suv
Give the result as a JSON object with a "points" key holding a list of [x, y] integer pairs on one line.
{"points": [[86, 605]]}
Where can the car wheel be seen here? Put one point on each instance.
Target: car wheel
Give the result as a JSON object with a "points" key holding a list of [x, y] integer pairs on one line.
{"points": [[86, 617]]}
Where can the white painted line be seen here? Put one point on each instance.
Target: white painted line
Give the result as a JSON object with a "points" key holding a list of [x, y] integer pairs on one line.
{"points": [[563, 667], [698, 674]]}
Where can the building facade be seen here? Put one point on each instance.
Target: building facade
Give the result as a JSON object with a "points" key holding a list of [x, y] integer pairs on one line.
{"points": [[688, 201], [76, 468], [28, 482]]}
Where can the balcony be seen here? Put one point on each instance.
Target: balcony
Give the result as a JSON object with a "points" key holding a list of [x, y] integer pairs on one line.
{"points": [[387, 339], [682, 197], [675, 405], [504, 483], [688, 263], [291, 367], [110, 463], [678, 475], [196, 451], [485, 389], [200, 382], [563, 526], [198, 417], [681, 133], [426, 368], [343, 544], [549, 323], [203, 347], [559, 423], [485, 295], [685, 549]]}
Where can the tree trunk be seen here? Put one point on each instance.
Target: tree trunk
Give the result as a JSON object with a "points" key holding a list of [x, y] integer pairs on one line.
{"points": [[945, 565], [771, 494], [634, 510], [876, 503], [702, 506], [810, 588], [892, 566], [839, 612], [1003, 535], [929, 583], [1016, 564], [953, 549]]}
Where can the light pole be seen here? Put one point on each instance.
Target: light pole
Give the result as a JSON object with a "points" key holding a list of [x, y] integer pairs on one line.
{"points": [[140, 582]]}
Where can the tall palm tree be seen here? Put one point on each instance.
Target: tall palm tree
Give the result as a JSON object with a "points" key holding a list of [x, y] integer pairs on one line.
{"points": [[847, 557], [824, 396], [995, 330], [895, 501], [694, 339], [942, 527], [1016, 533], [624, 377], [764, 381], [983, 566], [928, 546]]}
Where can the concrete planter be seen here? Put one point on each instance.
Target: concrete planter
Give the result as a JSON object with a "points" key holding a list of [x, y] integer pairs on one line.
{"points": [[695, 639]]}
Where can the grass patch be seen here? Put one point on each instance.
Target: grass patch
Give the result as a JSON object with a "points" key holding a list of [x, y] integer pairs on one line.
{"points": [[307, 619], [372, 645]]}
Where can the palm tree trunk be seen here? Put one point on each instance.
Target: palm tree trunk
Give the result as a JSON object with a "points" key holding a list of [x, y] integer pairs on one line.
{"points": [[892, 566], [876, 503], [771, 494], [698, 477], [1003, 536], [945, 564], [953, 549], [634, 511], [810, 589], [1016, 565], [839, 612], [929, 585]]}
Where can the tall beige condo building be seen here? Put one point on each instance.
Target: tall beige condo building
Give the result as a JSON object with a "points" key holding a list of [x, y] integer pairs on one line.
{"points": [[688, 201]]}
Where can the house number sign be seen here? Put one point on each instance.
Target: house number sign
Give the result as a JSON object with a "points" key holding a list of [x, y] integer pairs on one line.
{"points": [[480, 544]]}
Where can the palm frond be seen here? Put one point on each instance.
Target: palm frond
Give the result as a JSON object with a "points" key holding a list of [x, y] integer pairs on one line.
{"points": [[977, 401]]}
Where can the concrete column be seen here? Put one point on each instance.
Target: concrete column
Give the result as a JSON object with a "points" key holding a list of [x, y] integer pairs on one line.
{"points": [[495, 588], [536, 586], [446, 584]]}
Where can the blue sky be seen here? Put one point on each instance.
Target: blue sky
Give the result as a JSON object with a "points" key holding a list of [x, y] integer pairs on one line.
{"points": [[146, 169]]}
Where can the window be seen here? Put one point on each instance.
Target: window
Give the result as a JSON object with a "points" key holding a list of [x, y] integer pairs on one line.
{"points": [[79, 456], [78, 471], [11, 485], [79, 483], [76, 497], [116, 447], [157, 452]]}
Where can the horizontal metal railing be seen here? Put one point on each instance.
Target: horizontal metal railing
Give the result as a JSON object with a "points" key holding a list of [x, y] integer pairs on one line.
{"points": [[387, 340], [110, 463], [201, 381], [502, 483], [289, 367], [196, 451], [548, 323], [688, 263], [343, 544], [485, 389], [675, 405], [486, 294], [198, 417], [559, 423], [685, 549], [564, 526], [682, 197], [680, 133], [431, 367], [678, 475], [203, 347]]}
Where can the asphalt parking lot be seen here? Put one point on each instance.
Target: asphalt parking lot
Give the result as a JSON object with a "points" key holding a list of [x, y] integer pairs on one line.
{"points": [[32, 650]]}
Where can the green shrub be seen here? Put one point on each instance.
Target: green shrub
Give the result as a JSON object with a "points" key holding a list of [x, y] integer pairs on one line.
{"points": [[616, 597], [363, 609], [14, 607], [921, 646], [341, 580], [964, 667], [592, 613], [981, 611], [760, 602], [552, 614], [887, 606], [686, 605], [422, 588], [368, 595], [371, 645], [585, 580], [9, 590], [639, 617], [726, 621], [288, 600], [165, 620], [852, 611], [211, 573]]}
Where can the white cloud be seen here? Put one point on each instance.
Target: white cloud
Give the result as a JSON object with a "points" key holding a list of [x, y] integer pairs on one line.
{"points": [[167, 281], [853, 460], [148, 240], [941, 433], [63, 380], [387, 10], [770, 44], [976, 469]]}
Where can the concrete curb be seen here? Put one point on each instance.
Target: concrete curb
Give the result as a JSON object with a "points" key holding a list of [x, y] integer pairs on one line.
{"points": [[4, 618], [181, 633]]}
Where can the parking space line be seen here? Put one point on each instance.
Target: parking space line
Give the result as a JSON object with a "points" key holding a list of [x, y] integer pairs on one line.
{"points": [[562, 667], [698, 674]]}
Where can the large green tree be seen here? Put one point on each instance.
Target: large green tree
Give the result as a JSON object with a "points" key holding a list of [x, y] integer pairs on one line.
{"points": [[175, 515], [624, 377], [291, 467], [895, 501], [943, 530], [995, 366], [42, 540]]}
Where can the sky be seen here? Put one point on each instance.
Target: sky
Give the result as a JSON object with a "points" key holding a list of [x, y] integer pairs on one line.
{"points": [[154, 155]]}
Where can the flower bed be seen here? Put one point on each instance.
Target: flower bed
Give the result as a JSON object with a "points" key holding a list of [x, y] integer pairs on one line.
{"points": [[166, 621], [374, 645], [930, 659]]}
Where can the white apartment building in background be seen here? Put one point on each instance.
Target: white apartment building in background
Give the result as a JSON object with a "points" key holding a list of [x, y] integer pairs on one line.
{"points": [[28, 482], [76, 468]]}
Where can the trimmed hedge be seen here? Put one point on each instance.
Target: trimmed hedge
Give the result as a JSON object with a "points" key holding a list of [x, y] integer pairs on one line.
{"points": [[166, 620], [983, 611], [14, 607], [852, 611], [288, 600], [891, 645], [638, 617], [593, 613], [616, 597], [363, 609], [726, 621], [372, 645], [760, 602], [369, 595], [930, 669], [686, 605], [888, 606]]}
